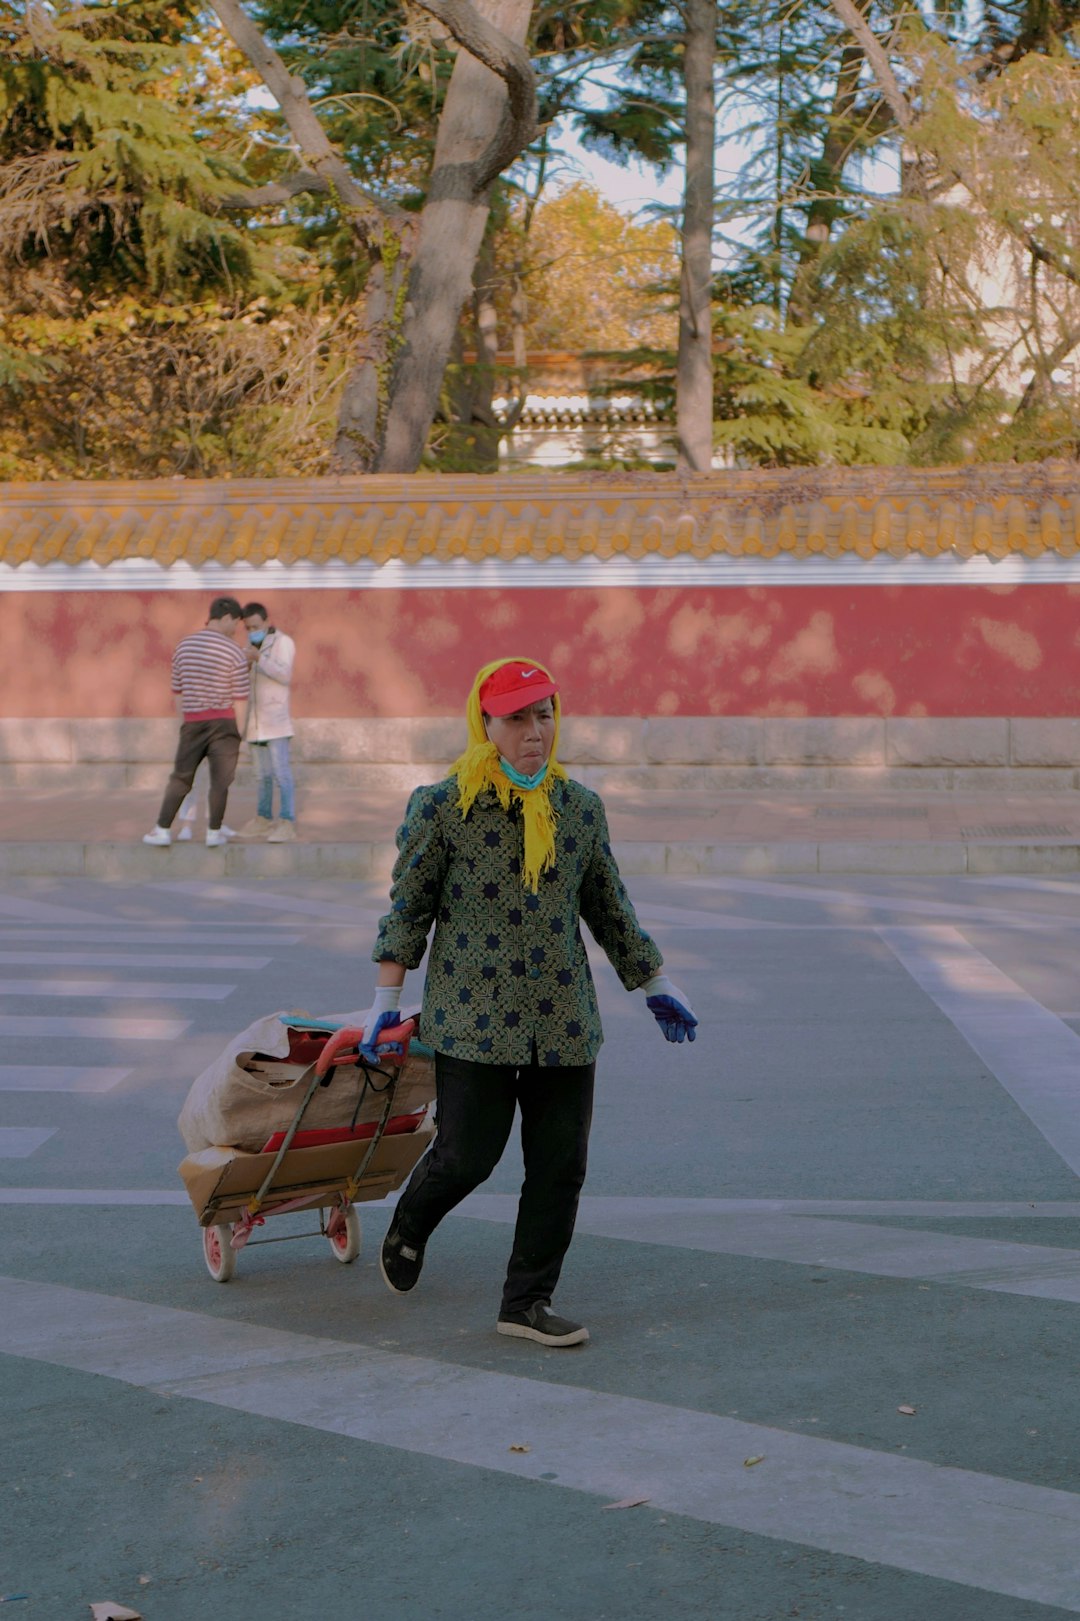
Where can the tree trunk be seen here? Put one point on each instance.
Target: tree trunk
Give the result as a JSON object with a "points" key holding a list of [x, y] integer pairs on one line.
{"points": [[451, 230], [694, 369], [358, 417], [472, 441], [363, 402], [841, 135], [356, 433], [484, 427], [488, 120]]}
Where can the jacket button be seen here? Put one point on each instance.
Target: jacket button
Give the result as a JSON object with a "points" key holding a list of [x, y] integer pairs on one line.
{"points": [[534, 973]]}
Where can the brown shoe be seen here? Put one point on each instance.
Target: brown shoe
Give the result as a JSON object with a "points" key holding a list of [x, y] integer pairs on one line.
{"points": [[284, 833], [257, 828]]}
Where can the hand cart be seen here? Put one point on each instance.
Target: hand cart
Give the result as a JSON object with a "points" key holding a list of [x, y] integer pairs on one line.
{"points": [[324, 1171]]}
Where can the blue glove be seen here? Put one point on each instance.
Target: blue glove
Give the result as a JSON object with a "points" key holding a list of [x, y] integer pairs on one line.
{"points": [[370, 1043], [671, 1009], [382, 1015]]}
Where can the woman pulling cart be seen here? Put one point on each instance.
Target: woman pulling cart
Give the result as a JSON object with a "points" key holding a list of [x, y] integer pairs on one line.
{"points": [[506, 857]]}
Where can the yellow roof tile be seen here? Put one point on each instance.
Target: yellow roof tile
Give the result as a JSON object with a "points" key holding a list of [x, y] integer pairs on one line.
{"points": [[992, 510]]}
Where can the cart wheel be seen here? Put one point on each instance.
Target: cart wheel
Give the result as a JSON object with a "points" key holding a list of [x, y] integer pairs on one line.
{"points": [[345, 1238], [218, 1253]]}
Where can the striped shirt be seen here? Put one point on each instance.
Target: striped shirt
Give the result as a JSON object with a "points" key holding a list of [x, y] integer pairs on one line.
{"points": [[209, 672]]}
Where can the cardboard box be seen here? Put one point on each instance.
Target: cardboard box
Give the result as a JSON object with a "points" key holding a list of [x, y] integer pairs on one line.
{"points": [[221, 1181]]}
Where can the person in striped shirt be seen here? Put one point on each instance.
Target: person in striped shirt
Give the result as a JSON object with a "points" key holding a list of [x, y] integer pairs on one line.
{"points": [[211, 684]]}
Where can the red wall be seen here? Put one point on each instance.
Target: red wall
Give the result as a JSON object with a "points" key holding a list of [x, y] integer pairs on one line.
{"points": [[798, 650]]}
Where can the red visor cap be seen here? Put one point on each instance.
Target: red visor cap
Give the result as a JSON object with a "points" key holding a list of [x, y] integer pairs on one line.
{"points": [[515, 686]]}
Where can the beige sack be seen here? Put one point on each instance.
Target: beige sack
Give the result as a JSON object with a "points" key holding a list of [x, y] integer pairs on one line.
{"points": [[251, 1090]]}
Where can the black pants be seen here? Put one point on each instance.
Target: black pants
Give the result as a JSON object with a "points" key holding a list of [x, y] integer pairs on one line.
{"points": [[215, 740], [476, 1105]]}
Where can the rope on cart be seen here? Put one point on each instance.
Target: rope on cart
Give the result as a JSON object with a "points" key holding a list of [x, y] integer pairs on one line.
{"points": [[368, 1085], [352, 1186], [387, 1090]]}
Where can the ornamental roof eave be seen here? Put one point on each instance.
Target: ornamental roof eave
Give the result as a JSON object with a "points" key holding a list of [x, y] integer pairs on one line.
{"points": [[579, 410], [993, 511]]}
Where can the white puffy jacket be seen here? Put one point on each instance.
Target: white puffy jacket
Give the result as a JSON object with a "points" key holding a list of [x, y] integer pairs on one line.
{"points": [[268, 709]]}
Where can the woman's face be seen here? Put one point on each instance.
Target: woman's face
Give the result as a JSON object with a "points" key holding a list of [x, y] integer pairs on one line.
{"points": [[525, 737]]}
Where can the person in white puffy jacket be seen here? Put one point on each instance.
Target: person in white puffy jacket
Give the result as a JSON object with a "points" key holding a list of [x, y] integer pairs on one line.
{"points": [[271, 655]]}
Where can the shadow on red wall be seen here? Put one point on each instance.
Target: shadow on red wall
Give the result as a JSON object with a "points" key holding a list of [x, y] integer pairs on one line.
{"points": [[801, 650]]}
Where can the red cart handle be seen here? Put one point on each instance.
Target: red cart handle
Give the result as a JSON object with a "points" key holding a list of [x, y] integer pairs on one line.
{"points": [[343, 1046]]}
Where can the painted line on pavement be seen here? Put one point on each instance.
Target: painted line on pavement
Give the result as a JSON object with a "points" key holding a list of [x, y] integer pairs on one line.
{"points": [[1049, 886], [93, 1196], [1030, 1270], [1030, 1051], [1041, 1271], [608, 1207], [928, 1209], [955, 911], [45, 912], [112, 990], [326, 911], [19, 1142], [135, 935], [58, 1078], [951, 1524], [685, 917], [128, 959], [113, 1027], [791, 1237]]}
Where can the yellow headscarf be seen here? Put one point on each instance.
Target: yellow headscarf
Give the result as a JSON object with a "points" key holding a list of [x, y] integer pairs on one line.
{"points": [[479, 768]]}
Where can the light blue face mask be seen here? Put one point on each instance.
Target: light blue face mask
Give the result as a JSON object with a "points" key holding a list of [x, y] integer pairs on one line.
{"points": [[519, 779], [256, 637]]}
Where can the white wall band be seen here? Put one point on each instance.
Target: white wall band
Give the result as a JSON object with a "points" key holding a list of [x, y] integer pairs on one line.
{"points": [[528, 573]]}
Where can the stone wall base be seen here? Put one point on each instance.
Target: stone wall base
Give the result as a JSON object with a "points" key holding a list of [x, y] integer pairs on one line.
{"points": [[681, 754]]}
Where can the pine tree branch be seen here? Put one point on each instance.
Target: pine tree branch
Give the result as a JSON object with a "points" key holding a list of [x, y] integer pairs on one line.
{"points": [[292, 97], [512, 64], [904, 114], [872, 48], [1041, 379], [279, 191], [1045, 256]]}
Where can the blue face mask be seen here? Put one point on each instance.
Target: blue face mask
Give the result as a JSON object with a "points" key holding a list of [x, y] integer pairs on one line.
{"points": [[256, 637], [519, 779]]}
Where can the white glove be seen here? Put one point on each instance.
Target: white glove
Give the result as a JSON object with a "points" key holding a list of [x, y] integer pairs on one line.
{"points": [[380, 1016], [671, 1008]]}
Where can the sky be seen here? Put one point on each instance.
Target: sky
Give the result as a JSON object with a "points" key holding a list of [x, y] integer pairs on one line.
{"points": [[631, 188], [636, 187]]}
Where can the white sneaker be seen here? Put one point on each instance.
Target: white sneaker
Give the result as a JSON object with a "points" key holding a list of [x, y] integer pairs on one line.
{"points": [[215, 837], [229, 832], [160, 835], [184, 833]]}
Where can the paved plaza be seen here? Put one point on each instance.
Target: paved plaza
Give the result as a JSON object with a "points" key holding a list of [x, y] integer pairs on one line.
{"points": [[829, 1257], [347, 833]]}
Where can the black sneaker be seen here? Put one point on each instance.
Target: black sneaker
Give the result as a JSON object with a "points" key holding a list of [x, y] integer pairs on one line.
{"points": [[400, 1263], [541, 1324]]}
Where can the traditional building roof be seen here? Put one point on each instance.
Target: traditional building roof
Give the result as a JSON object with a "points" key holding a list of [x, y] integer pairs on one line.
{"points": [[583, 410], [991, 510]]}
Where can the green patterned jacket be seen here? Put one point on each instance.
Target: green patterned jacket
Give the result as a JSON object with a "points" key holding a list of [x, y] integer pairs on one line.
{"points": [[508, 967]]}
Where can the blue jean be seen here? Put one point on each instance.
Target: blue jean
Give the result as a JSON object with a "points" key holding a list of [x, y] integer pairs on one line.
{"points": [[272, 764]]}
